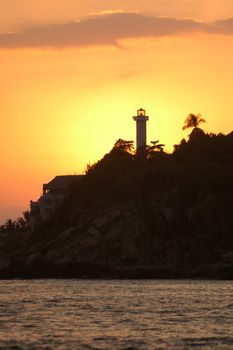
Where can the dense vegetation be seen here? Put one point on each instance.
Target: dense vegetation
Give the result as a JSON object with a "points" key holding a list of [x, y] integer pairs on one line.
{"points": [[179, 204]]}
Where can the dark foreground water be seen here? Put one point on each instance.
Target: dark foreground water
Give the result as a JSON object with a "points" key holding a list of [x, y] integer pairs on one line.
{"points": [[75, 314]]}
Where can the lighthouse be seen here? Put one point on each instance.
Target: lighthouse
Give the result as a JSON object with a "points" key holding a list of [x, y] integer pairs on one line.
{"points": [[141, 119]]}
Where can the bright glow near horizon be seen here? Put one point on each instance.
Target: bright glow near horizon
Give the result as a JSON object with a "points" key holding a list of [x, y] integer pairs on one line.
{"points": [[61, 108]]}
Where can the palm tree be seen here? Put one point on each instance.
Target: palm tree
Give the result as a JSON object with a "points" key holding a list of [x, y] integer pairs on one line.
{"points": [[156, 147], [193, 121]]}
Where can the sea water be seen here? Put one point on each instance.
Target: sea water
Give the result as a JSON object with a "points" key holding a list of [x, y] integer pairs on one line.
{"points": [[96, 314]]}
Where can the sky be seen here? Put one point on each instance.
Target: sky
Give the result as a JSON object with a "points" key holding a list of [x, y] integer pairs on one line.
{"points": [[74, 72]]}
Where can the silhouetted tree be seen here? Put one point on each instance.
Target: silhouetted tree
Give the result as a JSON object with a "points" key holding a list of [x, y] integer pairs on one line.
{"points": [[20, 225], [182, 144], [124, 146], [120, 155], [155, 148], [89, 167], [9, 226], [193, 121]]}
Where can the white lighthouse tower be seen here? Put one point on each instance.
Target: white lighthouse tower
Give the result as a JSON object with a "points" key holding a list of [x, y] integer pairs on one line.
{"points": [[141, 120]]}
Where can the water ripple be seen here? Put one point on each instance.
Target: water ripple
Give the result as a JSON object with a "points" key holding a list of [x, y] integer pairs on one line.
{"points": [[122, 315]]}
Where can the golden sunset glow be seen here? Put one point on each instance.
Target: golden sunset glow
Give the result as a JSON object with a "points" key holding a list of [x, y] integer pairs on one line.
{"points": [[64, 105]]}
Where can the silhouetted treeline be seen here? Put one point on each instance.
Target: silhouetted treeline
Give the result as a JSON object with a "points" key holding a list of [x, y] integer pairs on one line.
{"points": [[198, 167], [201, 165], [19, 225], [146, 208]]}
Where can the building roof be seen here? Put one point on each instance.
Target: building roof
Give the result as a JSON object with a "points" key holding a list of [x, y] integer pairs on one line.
{"points": [[62, 182]]}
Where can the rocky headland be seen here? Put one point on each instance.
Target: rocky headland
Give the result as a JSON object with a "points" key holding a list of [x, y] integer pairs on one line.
{"points": [[167, 216]]}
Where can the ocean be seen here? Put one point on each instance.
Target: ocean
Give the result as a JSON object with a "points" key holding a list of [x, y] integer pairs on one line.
{"points": [[98, 314]]}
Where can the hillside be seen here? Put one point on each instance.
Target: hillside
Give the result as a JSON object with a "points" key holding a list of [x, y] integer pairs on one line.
{"points": [[163, 216]]}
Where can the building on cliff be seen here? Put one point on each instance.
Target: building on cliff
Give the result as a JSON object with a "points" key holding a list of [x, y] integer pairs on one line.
{"points": [[52, 197]]}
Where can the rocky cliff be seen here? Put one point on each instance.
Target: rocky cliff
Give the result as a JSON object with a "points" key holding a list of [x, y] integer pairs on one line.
{"points": [[135, 239], [166, 217]]}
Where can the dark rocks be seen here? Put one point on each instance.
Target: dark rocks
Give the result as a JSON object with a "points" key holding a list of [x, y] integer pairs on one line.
{"points": [[219, 271], [135, 239]]}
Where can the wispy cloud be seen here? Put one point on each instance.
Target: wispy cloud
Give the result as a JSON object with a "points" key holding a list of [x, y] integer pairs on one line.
{"points": [[110, 12], [223, 27], [107, 28]]}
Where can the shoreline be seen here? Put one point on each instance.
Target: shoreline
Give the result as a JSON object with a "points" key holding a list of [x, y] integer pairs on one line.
{"points": [[84, 272]]}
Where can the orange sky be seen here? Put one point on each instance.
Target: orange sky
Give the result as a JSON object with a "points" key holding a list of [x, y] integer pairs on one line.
{"points": [[74, 72]]}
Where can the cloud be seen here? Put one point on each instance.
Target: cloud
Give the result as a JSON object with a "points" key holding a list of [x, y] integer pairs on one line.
{"points": [[111, 12], [223, 27], [107, 28]]}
